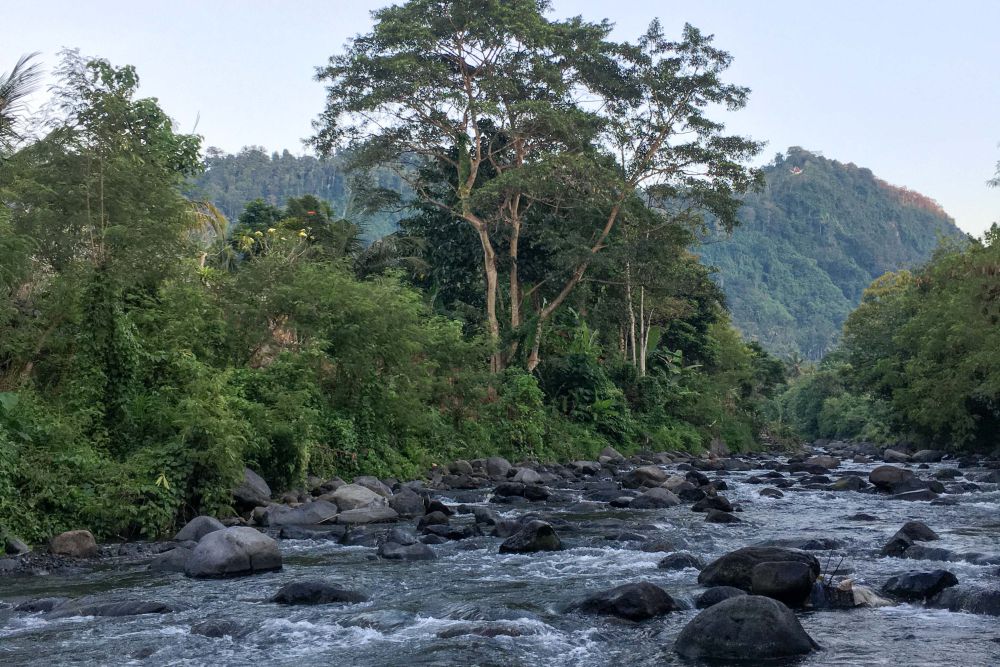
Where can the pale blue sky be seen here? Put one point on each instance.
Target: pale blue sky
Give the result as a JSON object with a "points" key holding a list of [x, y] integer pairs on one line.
{"points": [[909, 89]]}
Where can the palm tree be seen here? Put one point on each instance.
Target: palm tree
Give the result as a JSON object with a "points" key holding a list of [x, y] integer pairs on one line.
{"points": [[15, 87]]}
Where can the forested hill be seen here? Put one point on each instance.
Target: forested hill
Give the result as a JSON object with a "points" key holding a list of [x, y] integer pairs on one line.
{"points": [[230, 181], [811, 242]]}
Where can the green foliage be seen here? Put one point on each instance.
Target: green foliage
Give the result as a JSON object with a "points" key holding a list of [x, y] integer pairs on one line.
{"points": [[810, 243]]}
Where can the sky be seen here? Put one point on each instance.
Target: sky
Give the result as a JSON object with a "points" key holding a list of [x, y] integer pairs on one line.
{"points": [[909, 89]]}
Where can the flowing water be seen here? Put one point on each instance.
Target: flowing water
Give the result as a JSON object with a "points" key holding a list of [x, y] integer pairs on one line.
{"points": [[420, 613]]}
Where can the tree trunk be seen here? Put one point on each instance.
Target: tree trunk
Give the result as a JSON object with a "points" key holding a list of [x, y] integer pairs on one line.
{"points": [[490, 271], [631, 310], [643, 332]]}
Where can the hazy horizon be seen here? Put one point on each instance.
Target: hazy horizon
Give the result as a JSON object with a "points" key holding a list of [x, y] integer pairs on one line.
{"points": [[906, 91]]}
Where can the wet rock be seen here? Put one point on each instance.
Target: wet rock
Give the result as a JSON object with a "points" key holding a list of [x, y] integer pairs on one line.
{"points": [[532, 492], [948, 473], [681, 561], [40, 605], [497, 467], [611, 454], [374, 485], [750, 627], [691, 495], [533, 536], [828, 462], [736, 567], [75, 543], [803, 543], [922, 552], [91, 606], [460, 467], [636, 602], [718, 516], [919, 585], [717, 594], [14, 546], [586, 467], [252, 491], [354, 496], [316, 512], [527, 476], [697, 478], [927, 456], [315, 591], [364, 515], [644, 476], [486, 630], [655, 498], [969, 600], [895, 456], [769, 492], [720, 503], [922, 495], [197, 528], [218, 628], [886, 478], [412, 551], [451, 532], [787, 581], [439, 507], [862, 516], [174, 560], [904, 538], [233, 551], [432, 519], [485, 515], [848, 483], [407, 503]]}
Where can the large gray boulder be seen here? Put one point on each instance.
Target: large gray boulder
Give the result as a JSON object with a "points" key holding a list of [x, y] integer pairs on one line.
{"points": [[174, 560], [533, 536], [364, 515], [636, 602], [75, 543], [309, 514], [374, 484], [888, 478], [252, 492], [314, 591], [790, 582], [746, 628], [919, 585], [736, 567], [197, 528], [645, 476], [354, 496], [407, 503], [94, 606], [655, 498], [970, 600], [233, 551], [497, 467]]}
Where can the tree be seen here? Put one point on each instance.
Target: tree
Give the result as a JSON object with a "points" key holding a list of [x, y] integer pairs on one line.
{"points": [[15, 87], [569, 125]]}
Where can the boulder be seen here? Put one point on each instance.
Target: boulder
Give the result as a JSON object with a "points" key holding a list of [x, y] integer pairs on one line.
{"points": [[848, 483], [902, 541], [655, 498], [197, 528], [736, 567], [527, 476], [707, 503], [769, 492], [173, 560], [919, 585], [927, 456], [375, 485], [233, 551], [75, 543], [886, 478], [397, 551], [828, 462], [787, 581], [681, 561], [636, 602], [355, 496], [407, 503], [922, 495], [40, 604], [750, 627], [717, 594], [14, 546], [533, 536], [718, 516], [315, 591], [497, 467], [252, 492], [895, 456], [460, 467], [363, 515], [309, 514], [92, 606], [611, 454], [644, 476], [971, 601]]}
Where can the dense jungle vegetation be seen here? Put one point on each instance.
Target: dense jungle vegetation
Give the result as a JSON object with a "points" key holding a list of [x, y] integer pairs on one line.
{"points": [[540, 300], [811, 242]]}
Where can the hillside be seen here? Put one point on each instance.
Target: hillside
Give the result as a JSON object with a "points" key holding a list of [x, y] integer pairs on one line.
{"points": [[231, 180], [811, 242]]}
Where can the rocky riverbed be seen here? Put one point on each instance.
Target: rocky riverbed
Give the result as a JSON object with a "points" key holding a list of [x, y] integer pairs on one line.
{"points": [[847, 556]]}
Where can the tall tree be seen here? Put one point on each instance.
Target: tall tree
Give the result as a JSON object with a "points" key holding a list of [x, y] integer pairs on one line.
{"points": [[15, 87], [569, 124]]}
